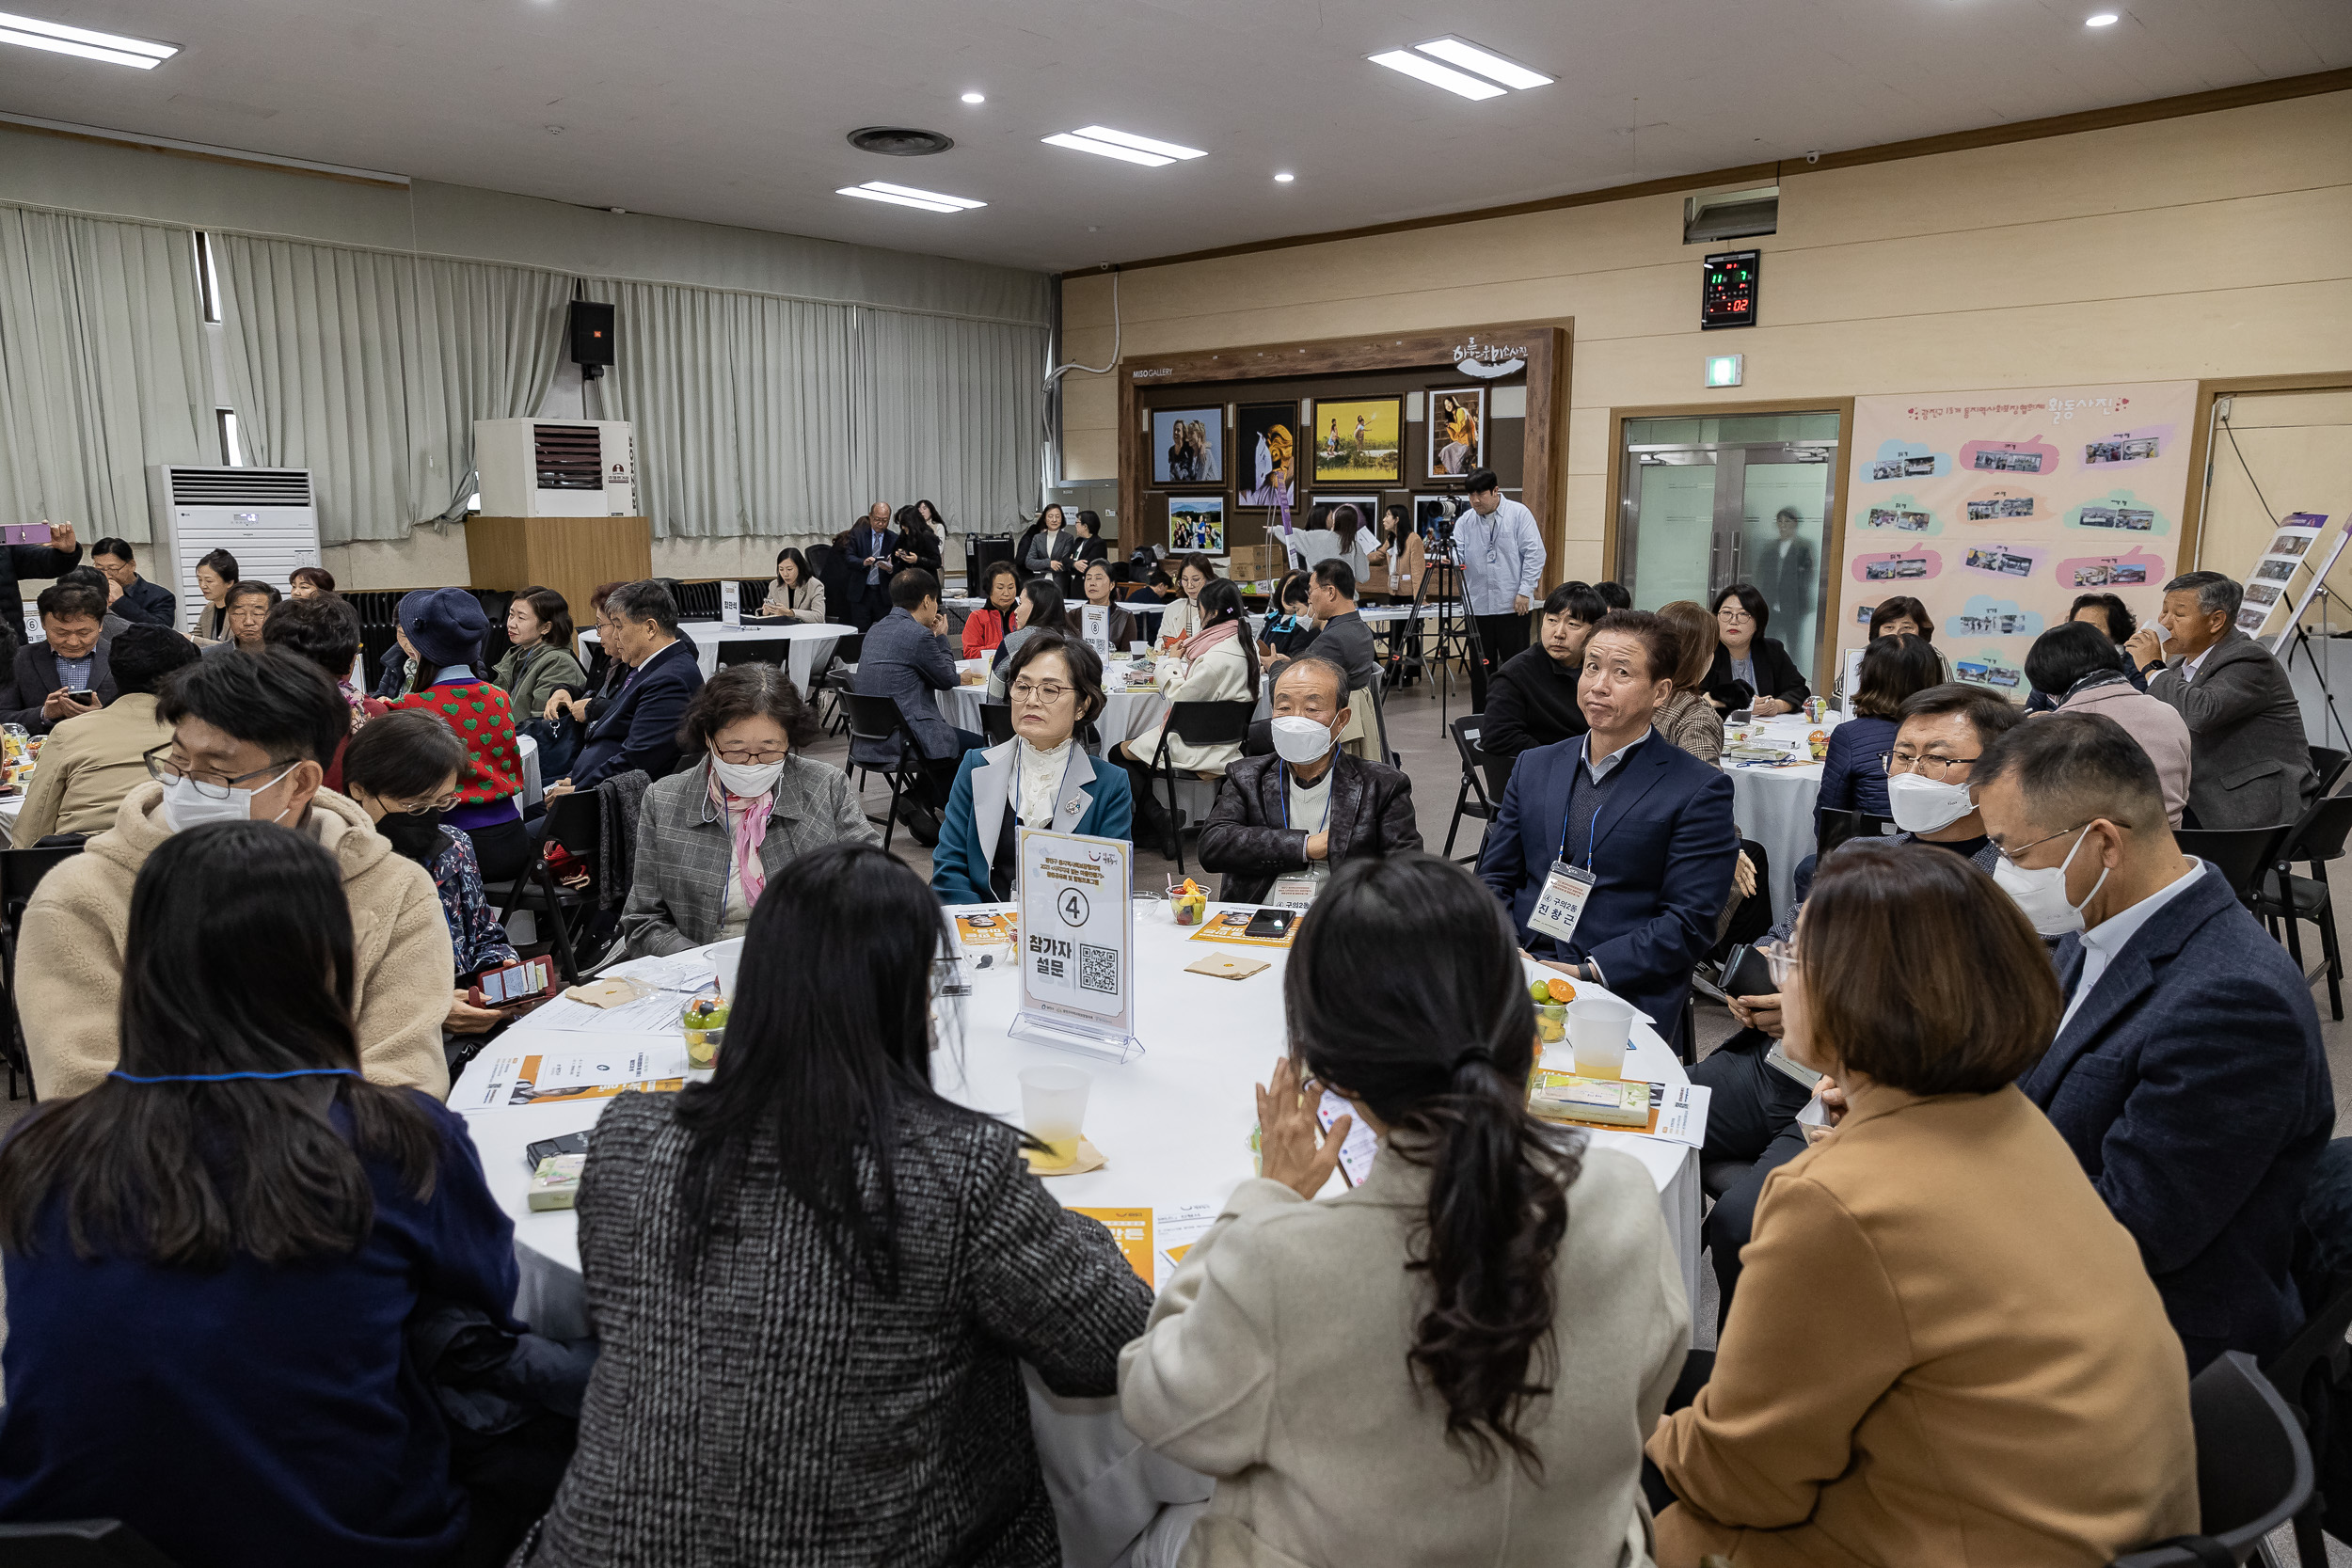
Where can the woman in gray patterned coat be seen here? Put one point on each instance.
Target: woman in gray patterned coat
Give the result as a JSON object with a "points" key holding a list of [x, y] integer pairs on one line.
{"points": [[710, 839], [816, 1280]]}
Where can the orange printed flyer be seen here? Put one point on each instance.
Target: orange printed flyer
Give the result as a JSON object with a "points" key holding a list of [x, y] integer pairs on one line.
{"points": [[989, 929], [499, 1078], [1131, 1229], [1229, 925]]}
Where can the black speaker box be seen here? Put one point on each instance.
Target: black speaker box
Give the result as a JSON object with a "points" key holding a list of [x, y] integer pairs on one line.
{"points": [[592, 333]]}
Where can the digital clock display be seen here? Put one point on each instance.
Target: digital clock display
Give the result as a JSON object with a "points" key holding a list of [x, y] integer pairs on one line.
{"points": [[1727, 295]]}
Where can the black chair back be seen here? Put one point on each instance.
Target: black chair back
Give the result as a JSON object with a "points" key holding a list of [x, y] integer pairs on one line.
{"points": [[996, 723], [2240, 854], [1838, 826], [21, 871], [2253, 1468], [1211, 723], [1477, 767], [79, 1543], [2321, 834], [876, 718], [2329, 763]]}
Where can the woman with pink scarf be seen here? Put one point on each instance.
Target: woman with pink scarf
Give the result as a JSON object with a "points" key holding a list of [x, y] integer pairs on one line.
{"points": [[711, 836], [1220, 665]]}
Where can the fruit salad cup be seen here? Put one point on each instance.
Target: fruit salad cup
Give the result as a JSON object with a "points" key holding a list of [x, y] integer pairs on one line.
{"points": [[705, 1022], [1552, 998]]}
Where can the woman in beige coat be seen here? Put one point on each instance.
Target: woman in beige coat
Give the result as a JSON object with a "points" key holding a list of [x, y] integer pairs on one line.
{"points": [[1455, 1362], [1944, 1349], [1220, 666]]}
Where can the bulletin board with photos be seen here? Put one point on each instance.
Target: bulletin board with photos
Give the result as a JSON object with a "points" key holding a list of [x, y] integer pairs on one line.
{"points": [[1998, 509], [1216, 446]]}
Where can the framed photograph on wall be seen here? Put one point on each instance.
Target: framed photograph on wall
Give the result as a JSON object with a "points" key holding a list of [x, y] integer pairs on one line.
{"points": [[1265, 454], [1458, 431], [1188, 446], [1360, 441], [1196, 523]]}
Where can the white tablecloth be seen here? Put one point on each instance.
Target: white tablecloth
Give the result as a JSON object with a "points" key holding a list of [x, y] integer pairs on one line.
{"points": [[1125, 714], [811, 644], [1773, 805]]}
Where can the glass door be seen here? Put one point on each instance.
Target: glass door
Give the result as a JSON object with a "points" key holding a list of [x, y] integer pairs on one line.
{"points": [[1708, 502]]}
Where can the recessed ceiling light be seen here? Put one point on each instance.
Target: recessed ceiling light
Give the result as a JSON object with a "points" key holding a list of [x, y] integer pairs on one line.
{"points": [[1284, 179], [1435, 75], [2105, 19], [906, 195], [1470, 57], [1105, 149], [142, 53], [976, 98]]}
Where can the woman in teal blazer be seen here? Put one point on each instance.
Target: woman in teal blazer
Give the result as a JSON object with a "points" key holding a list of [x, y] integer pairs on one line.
{"points": [[1042, 777]]}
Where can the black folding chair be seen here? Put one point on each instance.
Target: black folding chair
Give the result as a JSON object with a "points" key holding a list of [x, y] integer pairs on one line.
{"points": [[1196, 724], [836, 680], [79, 1543], [21, 871], [1838, 826], [2329, 765], [576, 825], [996, 723], [1261, 740], [2284, 898], [2253, 1468], [877, 719], [2308, 1375], [1472, 800], [2242, 855]]}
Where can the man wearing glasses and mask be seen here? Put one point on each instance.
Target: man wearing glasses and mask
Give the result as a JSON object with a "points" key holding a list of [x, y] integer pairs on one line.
{"points": [[1752, 1117], [250, 734]]}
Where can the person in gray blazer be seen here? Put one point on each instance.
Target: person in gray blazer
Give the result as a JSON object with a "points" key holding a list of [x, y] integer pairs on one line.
{"points": [[709, 839], [2249, 762]]}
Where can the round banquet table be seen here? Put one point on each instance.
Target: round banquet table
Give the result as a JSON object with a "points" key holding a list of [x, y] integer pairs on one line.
{"points": [[1173, 1125], [808, 643], [1125, 714], [1774, 803]]}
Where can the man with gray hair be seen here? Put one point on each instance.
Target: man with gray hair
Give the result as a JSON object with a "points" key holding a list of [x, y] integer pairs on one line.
{"points": [[2249, 762]]}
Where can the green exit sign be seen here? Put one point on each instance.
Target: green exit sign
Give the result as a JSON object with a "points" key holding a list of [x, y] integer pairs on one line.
{"points": [[1723, 370]]}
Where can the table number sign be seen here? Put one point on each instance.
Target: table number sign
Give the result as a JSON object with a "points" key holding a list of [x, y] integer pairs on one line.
{"points": [[1077, 944], [731, 602]]}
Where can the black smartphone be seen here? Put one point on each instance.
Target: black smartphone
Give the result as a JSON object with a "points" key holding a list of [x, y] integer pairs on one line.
{"points": [[1270, 923], [84, 695], [1746, 973], [570, 1143]]}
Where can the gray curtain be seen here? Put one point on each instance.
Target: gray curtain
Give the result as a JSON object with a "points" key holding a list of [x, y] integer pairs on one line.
{"points": [[953, 412], [370, 368], [102, 368]]}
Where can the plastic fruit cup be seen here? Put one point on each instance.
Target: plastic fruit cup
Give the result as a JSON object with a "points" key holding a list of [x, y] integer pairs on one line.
{"points": [[1551, 1021], [704, 1024]]}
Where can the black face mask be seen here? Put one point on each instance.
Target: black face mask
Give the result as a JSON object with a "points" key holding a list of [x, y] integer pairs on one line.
{"points": [[416, 838]]}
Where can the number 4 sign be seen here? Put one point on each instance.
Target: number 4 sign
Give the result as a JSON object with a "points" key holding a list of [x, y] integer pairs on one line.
{"points": [[1077, 944]]}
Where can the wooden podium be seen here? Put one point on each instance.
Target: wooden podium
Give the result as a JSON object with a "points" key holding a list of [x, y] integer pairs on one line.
{"points": [[571, 555]]}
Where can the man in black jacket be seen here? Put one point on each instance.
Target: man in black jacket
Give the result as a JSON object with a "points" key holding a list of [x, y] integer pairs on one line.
{"points": [[72, 658], [1532, 700], [42, 561], [1281, 823], [133, 597], [639, 729]]}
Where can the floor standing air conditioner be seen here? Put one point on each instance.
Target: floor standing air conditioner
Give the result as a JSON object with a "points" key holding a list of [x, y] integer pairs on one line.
{"points": [[556, 468], [265, 518]]}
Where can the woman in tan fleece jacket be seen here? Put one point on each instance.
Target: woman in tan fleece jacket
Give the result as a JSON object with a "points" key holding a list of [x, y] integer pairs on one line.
{"points": [[249, 735], [1944, 1349]]}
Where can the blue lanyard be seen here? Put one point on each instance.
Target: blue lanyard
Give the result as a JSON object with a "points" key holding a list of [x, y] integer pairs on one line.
{"points": [[1282, 775]]}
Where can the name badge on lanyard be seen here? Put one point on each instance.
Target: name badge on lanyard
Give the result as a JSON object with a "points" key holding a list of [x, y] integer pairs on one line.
{"points": [[1561, 904], [1293, 893]]}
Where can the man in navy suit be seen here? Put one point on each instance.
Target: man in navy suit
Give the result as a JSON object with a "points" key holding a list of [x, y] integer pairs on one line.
{"points": [[873, 557], [2186, 1071], [906, 657], [639, 728], [1649, 821]]}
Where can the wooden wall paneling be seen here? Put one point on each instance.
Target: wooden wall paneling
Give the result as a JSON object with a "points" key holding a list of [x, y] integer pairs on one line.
{"points": [[2200, 439], [571, 555]]}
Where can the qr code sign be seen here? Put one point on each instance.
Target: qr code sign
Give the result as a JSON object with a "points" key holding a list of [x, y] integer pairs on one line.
{"points": [[1098, 969]]}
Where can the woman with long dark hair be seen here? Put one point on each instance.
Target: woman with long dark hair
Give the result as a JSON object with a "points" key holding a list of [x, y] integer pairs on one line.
{"points": [[1455, 1362], [213, 1255], [815, 1279], [1039, 607], [985, 627]]}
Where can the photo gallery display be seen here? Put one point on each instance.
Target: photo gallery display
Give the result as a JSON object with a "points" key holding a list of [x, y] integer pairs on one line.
{"points": [[1188, 446], [2112, 574], [1339, 441], [1197, 523], [1996, 460], [2139, 519], [2000, 506], [1909, 522], [1995, 559], [1265, 451], [2121, 450], [1902, 468]]}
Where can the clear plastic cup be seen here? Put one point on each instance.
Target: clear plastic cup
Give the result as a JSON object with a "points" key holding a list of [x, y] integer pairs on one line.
{"points": [[1140, 649], [727, 959], [1053, 1111], [1598, 1028]]}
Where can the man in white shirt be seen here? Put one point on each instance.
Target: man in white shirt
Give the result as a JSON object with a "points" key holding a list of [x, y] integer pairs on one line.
{"points": [[2186, 1072], [1501, 552]]}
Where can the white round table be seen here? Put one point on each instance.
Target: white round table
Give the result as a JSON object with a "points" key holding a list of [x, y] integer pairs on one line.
{"points": [[1125, 714], [810, 643], [1773, 802]]}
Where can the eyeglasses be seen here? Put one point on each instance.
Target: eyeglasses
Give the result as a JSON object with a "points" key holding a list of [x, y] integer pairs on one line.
{"points": [[1927, 768], [1732, 614], [2011, 855], [422, 808], [752, 756], [162, 766], [1780, 961], [1040, 692]]}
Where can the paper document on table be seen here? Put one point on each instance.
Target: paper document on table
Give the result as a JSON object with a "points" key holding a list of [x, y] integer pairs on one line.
{"points": [[1677, 1113], [680, 971], [497, 1079], [647, 1014], [1174, 1231]]}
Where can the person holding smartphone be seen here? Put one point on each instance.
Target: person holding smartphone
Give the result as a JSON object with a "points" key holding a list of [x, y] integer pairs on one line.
{"points": [[66, 674], [1470, 1347]]}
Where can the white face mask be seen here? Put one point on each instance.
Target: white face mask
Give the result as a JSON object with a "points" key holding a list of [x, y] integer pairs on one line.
{"points": [[185, 807], [2041, 891], [1301, 740], [1920, 804], [745, 780]]}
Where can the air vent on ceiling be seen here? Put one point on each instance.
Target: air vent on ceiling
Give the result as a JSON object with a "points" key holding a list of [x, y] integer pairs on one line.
{"points": [[240, 486], [1730, 214], [899, 141], [568, 456]]}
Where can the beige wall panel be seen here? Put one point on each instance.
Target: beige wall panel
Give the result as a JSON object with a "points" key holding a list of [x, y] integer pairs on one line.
{"points": [[2298, 447]]}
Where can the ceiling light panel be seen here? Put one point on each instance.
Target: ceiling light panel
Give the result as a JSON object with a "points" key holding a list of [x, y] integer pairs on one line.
{"points": [[1436, 75], [1105, 149], [112, 48], [896, 200], [1141, 144], [961, 204], [1470, 57]]}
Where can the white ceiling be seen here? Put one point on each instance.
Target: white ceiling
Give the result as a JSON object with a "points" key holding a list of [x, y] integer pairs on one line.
{"points": [[734, 111]]}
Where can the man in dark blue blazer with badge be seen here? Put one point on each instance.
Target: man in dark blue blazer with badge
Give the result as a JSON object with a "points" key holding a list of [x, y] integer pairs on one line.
{"points": [[2186, 1072], [1615, 850]]}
